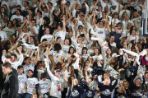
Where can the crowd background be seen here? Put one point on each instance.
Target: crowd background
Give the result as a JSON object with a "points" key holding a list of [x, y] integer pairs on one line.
{"points": [[75, 48]]}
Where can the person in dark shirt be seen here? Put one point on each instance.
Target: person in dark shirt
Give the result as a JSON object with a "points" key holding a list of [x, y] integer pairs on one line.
{"points": [[117, 34], [10, 86], [107, 85]]}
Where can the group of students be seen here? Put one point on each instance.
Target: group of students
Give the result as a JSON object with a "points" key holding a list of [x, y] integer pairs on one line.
{"points": [[73, 49]]}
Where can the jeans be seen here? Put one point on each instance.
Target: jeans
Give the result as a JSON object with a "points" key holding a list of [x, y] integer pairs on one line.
{"points": [[52, 97], [27, 95], [21, 96]]}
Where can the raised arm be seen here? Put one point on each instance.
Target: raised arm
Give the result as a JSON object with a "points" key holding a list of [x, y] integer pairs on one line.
{"points": [[133, 54], [52, 76]]}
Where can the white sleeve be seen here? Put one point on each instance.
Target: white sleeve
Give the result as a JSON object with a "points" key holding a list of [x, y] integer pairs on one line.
{"points": [[76, 64], [3, 58], [114, 2], [21, 59], [98, 39], [30, 46], [12, 17], [52, 76], [87, 8], [100, 78], [46, 60], [142, 53], [133, 54]]}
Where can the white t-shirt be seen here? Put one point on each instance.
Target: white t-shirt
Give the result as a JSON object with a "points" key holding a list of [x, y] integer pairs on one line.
{"points": [[57, 55], [44, 86], [28, 67], [61, 34], [56, 85], [48, 37], [65, 48], [31, 83], [3, 35], [17, 17], [22, 79], [101, 32]]}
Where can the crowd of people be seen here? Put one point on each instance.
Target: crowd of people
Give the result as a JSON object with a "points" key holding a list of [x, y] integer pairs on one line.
{"points": [[73, 49]]}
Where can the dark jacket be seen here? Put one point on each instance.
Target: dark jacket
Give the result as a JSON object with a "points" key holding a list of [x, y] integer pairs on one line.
{"points": [[10, 86]]}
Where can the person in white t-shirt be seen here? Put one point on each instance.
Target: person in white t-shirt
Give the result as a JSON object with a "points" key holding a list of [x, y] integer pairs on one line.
{"points": [[17, 16], [22, 79], [31, 85], [3, 35], [60, 32], [56, 83], [44, 86], [47, 36], [27, 65]]}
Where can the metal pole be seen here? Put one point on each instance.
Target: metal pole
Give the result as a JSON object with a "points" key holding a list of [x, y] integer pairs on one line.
{"points": [[146, 9]]}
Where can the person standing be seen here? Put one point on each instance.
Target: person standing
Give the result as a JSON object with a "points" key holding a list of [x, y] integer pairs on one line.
{"points": [[10, 86]]}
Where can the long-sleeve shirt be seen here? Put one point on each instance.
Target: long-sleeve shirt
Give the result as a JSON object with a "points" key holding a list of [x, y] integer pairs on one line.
{"points": [[10, 86], [55, 90], [16, 63]]}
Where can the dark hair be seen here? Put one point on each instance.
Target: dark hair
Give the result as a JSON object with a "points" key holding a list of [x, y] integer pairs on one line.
{"points": [[71, 48], [43, 75], [84, 48], [57, 47], [69, 39], [31, 70], [7, 65], [14, 55], [50, 3], [19, 67]]}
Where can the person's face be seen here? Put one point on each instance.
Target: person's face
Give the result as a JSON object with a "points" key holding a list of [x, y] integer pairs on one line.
{"points": [[100, 24], [108, 51], [126, 85], [43, 79], [138, 82], [2, 9], [20, 71], [106, 76], [84, 51], [116, 16], [49, 6], [96, 51], [112, 39], [118, 29], [47, 31], [59, 40], [133, 32], [135, 14], [146, 76], [19, 29], [71, 50], [87, 63], [33, 22], [79, 39], [30, 73], [81, 16], [5, 70], [17, 13], [58, 74], [31, 40], [81, 29], [66, 42], [13, 58], [101, 62], [28, 61]]}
